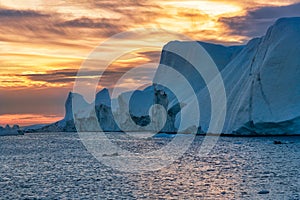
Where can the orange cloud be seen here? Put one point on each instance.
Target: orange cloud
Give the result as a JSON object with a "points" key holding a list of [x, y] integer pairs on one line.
{"points": [[27, 119]]}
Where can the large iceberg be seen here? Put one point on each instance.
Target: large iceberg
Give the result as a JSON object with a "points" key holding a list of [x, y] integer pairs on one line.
{"points": [[262, 85], [261, 80]]}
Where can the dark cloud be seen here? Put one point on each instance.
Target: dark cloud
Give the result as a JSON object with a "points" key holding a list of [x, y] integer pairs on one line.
{"points": [[85, 22], [69, 75], [108, 78], [58, 76], [106, 27], [27, 26], [51, 28], [256, 22], [5, 13], [133, 12]]}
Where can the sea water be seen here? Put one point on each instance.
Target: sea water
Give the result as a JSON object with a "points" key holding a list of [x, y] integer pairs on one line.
{"points": [[58, 166]]}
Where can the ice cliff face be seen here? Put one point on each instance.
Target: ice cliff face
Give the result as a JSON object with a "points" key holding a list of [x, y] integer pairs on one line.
{"points": [[135, 111], [138, 102], [221, 55], [262, 84], [264, 97], [83, 111], [103, 98]]}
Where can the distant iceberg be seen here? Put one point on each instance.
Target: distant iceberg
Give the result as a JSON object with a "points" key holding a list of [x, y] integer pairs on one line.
{"points": [[7, 130]]}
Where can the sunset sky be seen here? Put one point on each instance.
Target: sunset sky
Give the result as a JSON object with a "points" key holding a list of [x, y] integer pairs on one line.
{"points": [[43, 43]]}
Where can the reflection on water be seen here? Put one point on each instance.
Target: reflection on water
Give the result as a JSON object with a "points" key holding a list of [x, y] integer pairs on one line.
{"points": [[57, 165]]}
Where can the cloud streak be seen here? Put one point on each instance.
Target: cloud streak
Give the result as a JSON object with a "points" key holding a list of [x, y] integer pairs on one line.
{"points": [[256, 22], [10, 13]]}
